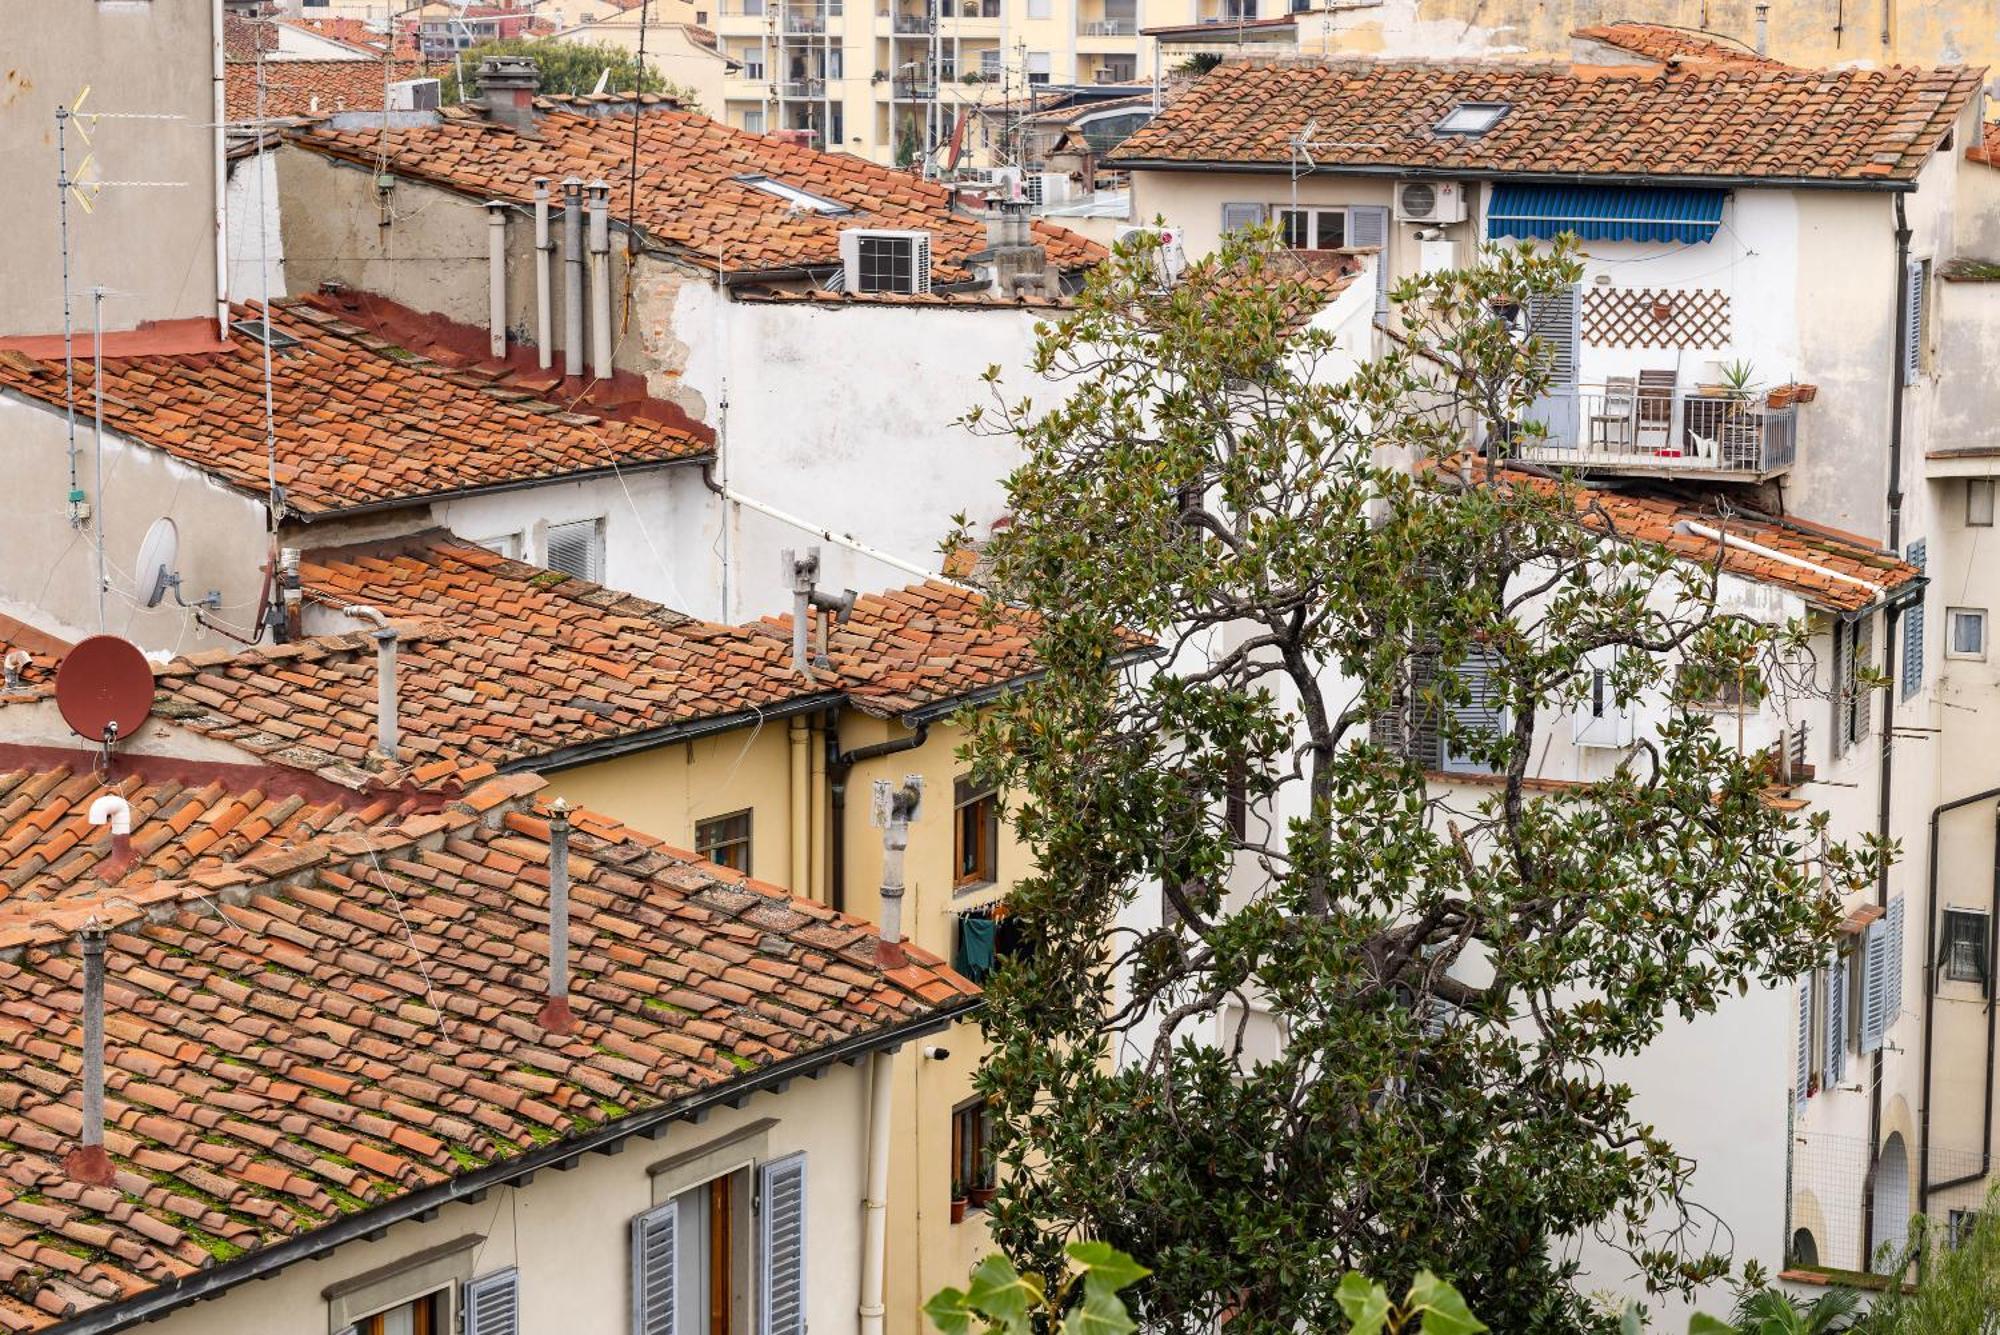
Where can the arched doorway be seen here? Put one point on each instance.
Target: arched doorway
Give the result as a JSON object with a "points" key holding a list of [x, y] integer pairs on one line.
{"points": [[1892, 1202]]}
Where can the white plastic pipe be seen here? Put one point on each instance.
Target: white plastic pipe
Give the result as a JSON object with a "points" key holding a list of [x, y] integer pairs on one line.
{"points": [[496, 277], [875, 1207], [600, 280], [113, 810], [544, 349], [1773, 554], [220, 109]]}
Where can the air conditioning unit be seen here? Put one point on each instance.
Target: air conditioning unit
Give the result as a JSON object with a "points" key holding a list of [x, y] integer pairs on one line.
{"points": [[1430, 202], [1172, 255], [885, 260], [1045, 189], [415, 95]]}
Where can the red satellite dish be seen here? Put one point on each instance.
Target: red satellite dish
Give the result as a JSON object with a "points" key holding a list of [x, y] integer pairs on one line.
{"points": [[104, 682]]}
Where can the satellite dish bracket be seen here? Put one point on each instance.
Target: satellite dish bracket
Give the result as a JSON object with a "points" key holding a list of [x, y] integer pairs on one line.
{"points": [[170, 580]]}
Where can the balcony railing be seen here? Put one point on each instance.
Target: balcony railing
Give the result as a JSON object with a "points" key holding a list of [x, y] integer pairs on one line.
{"points": [[915, 90], [802, 88], [1107, 28], [912, 23], [1613, 427]]}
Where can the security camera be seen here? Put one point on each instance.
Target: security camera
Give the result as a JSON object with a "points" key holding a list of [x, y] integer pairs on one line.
{"points": [[936, 1053]]}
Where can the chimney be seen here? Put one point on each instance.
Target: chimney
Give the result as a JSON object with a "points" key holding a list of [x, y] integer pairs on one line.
{"points": [[555, 1015], [14, 664], [804, 576], [385, 680], [572, 276], [600, 280], [113, 810], [1018, 265], [507, 92], [1763, 30], [496, 277], [543, 248], [87, 1163], [895, 808]]}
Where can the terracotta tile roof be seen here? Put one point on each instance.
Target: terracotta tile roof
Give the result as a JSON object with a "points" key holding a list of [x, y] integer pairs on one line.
{"points": [[1987, 150], [1222, 32], [961, 300], [505, 664], [353, 32], [690, 197], [314, 1031], [244, 36], [44, 652], [1664, 42], [1688, 121], [357, 425], [310, 87]]}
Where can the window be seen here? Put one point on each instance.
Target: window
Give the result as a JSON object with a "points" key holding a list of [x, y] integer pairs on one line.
{"points": [[989, 63], [753, 68], [725, 840], [1959, 1226], [1964, 955], [1472, 118], [505, 544], [1916, 320], [1415, 729], [420, 1316], [493, 1304], [797, 198], [1313, 229], [577, 549], [753, 121], [1967, 626], [1979, 502], [1039, 9], [976, 836], [1038, 67], [1235, 10], [691, 1261], [973, 1170], [1917, 554], [1850, 697]]}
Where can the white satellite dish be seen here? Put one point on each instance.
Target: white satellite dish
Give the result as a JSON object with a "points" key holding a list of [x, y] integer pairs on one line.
{"points": [[154, 570]]}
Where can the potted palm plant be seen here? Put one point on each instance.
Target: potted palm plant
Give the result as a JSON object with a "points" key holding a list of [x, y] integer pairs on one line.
{"points": [[958, 1201]]}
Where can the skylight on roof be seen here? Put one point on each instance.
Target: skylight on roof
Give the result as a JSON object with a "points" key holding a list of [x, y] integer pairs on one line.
{"points": [[257, 330], [1472, 117], [797, 198]]}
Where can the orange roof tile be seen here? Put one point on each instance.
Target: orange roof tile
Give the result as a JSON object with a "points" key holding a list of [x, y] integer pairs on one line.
{"points": [[1664, 42], [690, 195], [1688, 121], [1987, 150], [329, 1027], [310, 87], [357, 425], [36, 675], [353, 32]]}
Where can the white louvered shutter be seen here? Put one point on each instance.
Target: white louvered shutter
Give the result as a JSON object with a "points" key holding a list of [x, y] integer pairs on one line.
{"points": [[1913, 322], [1236, 217], [576, 549], [654, 1238], [1892, 965], [493, 1304], [1913, 629], [781, 1246], [1557, 319], [1368, 225], [1802, 1072], [1874, 984], [1835, 1060]]}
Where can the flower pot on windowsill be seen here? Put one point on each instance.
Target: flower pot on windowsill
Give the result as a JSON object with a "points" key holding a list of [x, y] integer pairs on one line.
{"points": [[1805, 393], [982, 1197], [1784, 396], [958, 1204]]}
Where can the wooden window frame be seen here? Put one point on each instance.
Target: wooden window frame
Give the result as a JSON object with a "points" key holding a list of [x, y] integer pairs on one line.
{"points": [[973, 1165], [706, 847], [967, 799]]}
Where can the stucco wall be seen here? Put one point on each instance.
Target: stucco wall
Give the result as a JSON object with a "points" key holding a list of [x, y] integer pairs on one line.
{"points": [[152, 245], [256, 241], [569, 1233]]}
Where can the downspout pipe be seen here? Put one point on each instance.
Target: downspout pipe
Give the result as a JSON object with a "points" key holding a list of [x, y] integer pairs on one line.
{"points": [[544, 345], [496, 277], [219, 119], [572, 236], [1924, 1184]]}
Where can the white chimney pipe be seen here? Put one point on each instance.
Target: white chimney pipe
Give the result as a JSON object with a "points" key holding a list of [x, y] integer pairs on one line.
{"points": [[1763, 30], [894, 809], [600, 280], [87, 1163], [555, 1015], [544, 350], [496, 277], [385, 679], [572, 276]]}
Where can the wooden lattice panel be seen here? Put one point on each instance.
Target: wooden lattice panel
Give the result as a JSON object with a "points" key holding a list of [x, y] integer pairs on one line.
{"points": [[1644, 317]]}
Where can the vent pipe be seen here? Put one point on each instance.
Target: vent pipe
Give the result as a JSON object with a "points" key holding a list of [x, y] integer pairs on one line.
{"points": [[496, 277], [572, 276], [803, 575], [895, 808], [555, 1015], [385, 679], [600, 280], [14, 664], [1763, 30], [544, 349], [113, 810], [87, 1163]]}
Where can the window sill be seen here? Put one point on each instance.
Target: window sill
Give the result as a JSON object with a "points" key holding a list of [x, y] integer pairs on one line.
{"points": [[965, 888]]}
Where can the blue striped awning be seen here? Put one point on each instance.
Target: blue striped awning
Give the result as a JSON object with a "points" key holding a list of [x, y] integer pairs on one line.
{"points": [[1604, 213]]}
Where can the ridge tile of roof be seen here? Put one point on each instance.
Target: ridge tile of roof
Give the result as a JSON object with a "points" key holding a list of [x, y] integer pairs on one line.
{"points": [[358, 426], [691, 194], [1683, 121], [310, 87], [313, 1029], [1664, 42]]}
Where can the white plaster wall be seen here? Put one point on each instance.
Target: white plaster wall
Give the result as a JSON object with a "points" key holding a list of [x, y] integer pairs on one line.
{"points": [[568, 1233], [256, 241]]}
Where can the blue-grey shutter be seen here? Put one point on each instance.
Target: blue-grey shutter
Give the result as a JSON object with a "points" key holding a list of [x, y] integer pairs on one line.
{"points": [[781, 1246], [1368, 225], [1892, 965], [1482, 717], [654, 1249], [1874, 984], [1913, 630], [1836, 1020], [1236, 217], [1864, 696], [1913, 322], [493, 1304], [1802, 1075]]}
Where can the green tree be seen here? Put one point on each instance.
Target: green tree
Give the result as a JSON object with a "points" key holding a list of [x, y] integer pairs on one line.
{"points": [[1957, 1285], [565, 67], [1447, 978]]}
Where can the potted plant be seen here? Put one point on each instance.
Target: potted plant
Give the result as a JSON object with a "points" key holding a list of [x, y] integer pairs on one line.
{"points": [[972, 76], [1663, 308], [983, 1196], [1806, 393], [1782, 396], [1739, 379], [958, 1201]]}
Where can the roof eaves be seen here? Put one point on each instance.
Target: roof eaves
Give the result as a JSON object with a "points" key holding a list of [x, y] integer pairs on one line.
{"points": [[1895, 184], [494, 488], [586, 753]]}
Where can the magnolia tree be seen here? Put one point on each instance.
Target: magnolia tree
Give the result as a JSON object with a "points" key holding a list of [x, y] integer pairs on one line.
{"points": [[1342, 585]]}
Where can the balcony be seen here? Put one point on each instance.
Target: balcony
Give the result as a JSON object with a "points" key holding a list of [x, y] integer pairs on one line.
{"points": [[1656, 432], [1107, 28], [814, 88], [913, 90]]}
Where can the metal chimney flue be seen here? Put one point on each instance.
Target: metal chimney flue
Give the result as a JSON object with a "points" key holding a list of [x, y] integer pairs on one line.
{"points": [[87, 1163], [555, 1015], [544, 247], [572, 229], [1763, 30], [496, 277], [803, 575], [600, 280], [894, 809], [386, 733]]}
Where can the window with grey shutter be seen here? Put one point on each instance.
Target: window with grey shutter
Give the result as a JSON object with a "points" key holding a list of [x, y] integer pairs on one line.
{"points": [[1892, 965], [1802, 1068], [493, 1304], [1913, 630], [577, 549], [781, 1246], [654, 1257], [1864, 696], [1835, 1061], [1916, 283], [1874, 984], [1368, 225], [1482, 717], [1236, 217], [1556, 318]]}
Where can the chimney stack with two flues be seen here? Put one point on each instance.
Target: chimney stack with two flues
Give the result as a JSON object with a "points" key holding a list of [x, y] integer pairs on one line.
{"points": [[894, 809], [803, 575]]}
